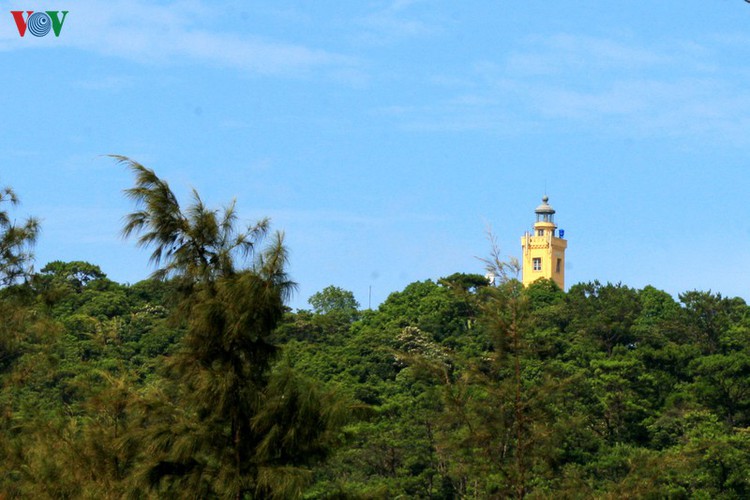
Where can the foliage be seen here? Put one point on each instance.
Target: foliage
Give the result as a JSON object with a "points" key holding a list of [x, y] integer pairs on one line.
{"points": [[230, 427], [333, 299], [16, 241], [198, 243], [200, 382]]}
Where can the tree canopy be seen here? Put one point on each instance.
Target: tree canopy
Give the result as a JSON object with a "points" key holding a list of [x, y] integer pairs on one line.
{"points": [[201, 382]]}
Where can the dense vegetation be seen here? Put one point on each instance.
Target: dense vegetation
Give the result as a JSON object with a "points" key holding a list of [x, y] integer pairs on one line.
{"points": [[200, 383]]}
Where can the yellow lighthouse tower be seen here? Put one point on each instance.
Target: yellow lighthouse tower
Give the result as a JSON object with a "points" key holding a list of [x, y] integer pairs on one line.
{"points": [[544, 249]]}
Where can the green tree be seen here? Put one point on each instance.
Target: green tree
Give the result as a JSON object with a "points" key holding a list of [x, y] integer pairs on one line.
{"points": [[543, 293], [229, 425], [709, 316], [198, 244], [335, 309], [333, 298], [77, 273], [603, 314], [16, 241], [466, 282], [723, 384]]}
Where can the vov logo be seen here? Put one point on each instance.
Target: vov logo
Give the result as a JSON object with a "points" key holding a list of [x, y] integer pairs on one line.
{"points": [[39, 23]]}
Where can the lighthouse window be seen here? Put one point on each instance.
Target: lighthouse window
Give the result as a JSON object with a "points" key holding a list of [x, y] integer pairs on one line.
{"points": [[540, 232], [537, 264], [559, 265]]}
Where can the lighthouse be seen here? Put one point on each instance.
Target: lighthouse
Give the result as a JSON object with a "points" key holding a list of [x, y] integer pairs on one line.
{"points": [[544, 248]]}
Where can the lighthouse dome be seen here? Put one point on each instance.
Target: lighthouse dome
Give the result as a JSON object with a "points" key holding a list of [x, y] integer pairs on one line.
{"points": [[545, 208]]}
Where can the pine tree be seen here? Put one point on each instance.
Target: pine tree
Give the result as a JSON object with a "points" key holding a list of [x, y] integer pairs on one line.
{"points": [[16, 241], [226, 424]]}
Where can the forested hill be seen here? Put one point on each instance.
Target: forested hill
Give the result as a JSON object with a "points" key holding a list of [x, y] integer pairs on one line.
{"points": [[449, 390], [203, 384]]}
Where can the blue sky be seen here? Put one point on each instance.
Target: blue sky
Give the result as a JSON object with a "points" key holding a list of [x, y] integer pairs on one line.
{"points": [[384, 137]]}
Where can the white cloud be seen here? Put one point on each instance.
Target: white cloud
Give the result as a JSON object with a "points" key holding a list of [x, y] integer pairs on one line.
{"points": [[107, 83], [562, 53], [178, 32], [393, 23], [397, 5], [676, 90]]}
